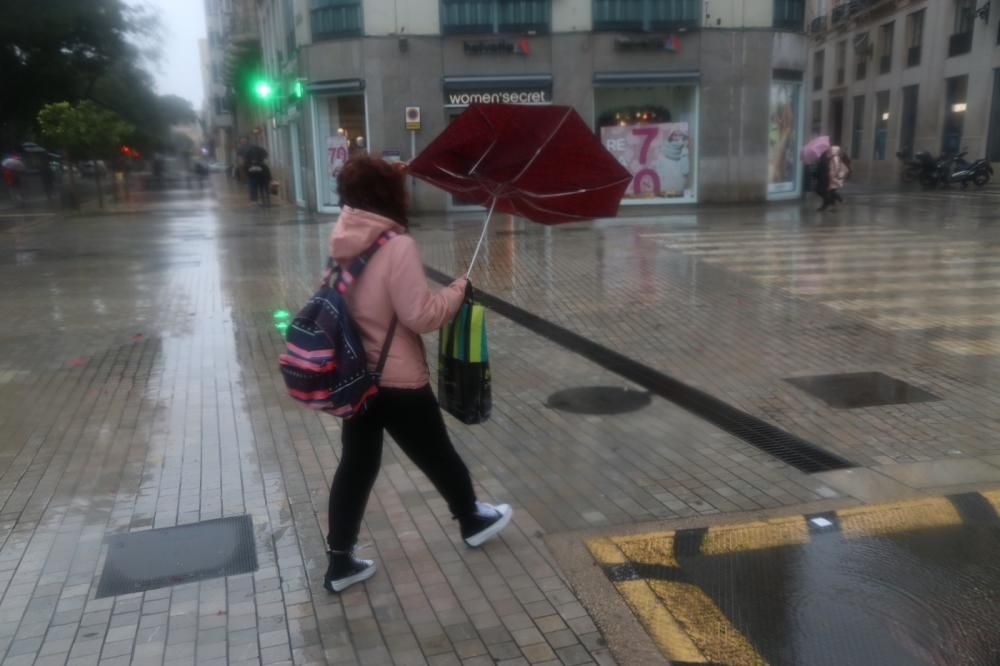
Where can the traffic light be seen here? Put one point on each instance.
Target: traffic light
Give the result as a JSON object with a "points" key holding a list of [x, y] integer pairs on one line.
{"points": [[263, 90], [298, 89]]}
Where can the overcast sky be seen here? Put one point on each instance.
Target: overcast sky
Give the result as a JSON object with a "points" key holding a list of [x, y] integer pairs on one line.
{"points": [[180, 69]]}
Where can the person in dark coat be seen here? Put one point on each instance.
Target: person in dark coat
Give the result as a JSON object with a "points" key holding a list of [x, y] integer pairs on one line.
{"points": [[260, 181], [823, 180]]}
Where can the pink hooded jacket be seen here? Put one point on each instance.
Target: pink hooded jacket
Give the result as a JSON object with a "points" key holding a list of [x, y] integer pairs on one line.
{"points": [[393, 282]]}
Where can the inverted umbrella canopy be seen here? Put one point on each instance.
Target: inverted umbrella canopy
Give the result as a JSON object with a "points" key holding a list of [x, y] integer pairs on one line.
{"points": [[814, 149], [539, 162]]}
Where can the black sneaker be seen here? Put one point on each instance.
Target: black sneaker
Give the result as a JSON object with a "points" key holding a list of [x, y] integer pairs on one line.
{"points": [[346, 570], [485, 522]]}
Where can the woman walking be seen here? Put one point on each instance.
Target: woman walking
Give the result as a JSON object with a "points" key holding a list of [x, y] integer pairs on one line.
{"points": [[831, 175], [392, 305]]}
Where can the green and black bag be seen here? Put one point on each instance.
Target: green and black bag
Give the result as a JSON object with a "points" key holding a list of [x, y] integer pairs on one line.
{"points": [[464, 364]]}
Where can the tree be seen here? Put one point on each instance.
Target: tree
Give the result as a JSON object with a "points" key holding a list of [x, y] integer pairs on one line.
{"points": [[71, 50], [83, 131]]}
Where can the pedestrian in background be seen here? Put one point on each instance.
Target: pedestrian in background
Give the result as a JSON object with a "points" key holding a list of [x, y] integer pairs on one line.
{"points": [[393, 290], [831, 174], [260, 181]]}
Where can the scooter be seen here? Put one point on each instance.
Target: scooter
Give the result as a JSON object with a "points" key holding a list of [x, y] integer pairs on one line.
{"points": [[956, 169], [978, 173], [914, 167]]}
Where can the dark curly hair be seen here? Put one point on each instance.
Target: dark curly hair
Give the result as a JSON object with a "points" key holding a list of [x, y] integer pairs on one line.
{"points": [[372, 184]]}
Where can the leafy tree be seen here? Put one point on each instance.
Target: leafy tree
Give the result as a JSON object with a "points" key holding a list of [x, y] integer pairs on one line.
{"points": [[83, 131]]}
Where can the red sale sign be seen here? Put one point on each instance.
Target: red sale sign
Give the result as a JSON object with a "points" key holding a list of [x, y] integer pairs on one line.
{"points": [[336, 153], [656, 154]]}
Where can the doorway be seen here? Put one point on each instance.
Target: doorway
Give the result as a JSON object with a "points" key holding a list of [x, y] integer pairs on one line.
{"points": [[837, 121]]}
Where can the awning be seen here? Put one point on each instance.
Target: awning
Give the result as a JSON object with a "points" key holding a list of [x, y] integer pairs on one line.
{"points": [[643, 78], [336, 86], [504, 82]]}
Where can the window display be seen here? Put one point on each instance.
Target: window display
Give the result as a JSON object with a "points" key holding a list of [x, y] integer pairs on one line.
{"points": [[652, 132], [783, 137], [340, 133]]}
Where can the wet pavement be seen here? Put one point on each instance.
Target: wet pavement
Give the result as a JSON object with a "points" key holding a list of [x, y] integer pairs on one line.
{"points": [[139, 390]]}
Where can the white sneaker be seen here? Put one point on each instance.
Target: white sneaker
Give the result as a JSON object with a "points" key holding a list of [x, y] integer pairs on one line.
{"points": [[485, 523]]}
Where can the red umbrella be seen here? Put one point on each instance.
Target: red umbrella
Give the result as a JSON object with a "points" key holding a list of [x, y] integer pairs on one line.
{"points": [[539, 162]]}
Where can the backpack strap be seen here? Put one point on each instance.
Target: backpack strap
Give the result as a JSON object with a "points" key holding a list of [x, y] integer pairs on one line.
{"points": [[345, 277]]}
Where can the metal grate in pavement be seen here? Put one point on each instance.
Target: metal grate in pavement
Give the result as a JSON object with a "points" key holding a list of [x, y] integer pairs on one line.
{"points": [[147, 560], [604, 400], [861, 389], [784, 446]]}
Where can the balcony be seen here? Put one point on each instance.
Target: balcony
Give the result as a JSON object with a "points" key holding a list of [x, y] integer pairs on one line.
{"points": [[817, 25], [959, 44]]}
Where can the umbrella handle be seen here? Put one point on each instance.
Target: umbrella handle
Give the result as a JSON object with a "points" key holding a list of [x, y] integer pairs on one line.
{"points": [[486, 225]]}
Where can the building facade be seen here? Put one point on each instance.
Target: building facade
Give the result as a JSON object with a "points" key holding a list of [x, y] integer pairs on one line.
{"points": [[703, 100], [901, 76]]}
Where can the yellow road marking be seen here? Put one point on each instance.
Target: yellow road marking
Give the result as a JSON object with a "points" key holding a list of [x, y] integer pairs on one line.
{"points": [[993, 497], [670, 638], [706, 625], [755, 536], [897, 517]]}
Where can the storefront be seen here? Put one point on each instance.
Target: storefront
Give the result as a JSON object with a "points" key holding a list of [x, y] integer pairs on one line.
{"points": [[339, 129], [784, 136], [462, 91], [649, 122]]}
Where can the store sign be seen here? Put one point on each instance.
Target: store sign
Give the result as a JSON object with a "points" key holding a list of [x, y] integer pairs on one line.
{"points": [[670, 44], [411, 118], [497, 47], [783, 137], [658, 155], [337, 150], [464, 98]]}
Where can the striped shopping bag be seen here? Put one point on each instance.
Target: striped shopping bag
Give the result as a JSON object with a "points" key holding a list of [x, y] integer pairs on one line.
{"points": [[464, 364]]}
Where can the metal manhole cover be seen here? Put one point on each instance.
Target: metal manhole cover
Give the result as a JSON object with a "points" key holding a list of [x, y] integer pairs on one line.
{"points": [[151, 559], [861, 389], [599, 400]]}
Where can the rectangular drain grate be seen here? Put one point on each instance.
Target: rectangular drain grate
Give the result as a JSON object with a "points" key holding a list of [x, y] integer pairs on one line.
{"points": [[774, 441], [150, 559]]}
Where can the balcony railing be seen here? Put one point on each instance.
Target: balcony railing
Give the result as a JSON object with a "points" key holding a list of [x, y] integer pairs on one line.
{"points": [[959, 44]]}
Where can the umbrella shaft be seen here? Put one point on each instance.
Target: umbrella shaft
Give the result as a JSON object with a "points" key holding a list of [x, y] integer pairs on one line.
{"points": [[482, 236]]}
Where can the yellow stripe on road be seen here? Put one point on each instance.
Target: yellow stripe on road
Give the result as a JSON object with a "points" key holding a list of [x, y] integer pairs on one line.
{"points": [[755, 536], [897, 517]]}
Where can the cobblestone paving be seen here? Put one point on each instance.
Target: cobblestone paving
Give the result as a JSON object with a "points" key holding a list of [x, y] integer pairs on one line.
{"points": [[139, 389]]}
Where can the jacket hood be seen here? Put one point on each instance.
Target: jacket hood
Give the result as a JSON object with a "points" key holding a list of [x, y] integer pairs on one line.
{"points": [[356, 230]]}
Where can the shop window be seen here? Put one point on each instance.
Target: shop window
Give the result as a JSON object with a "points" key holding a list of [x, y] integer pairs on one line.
{"points": [[783, 137], [334, 18], [494, 16], [818, 65], [857, 127], [789, 14], [652, 131], [645, 15], [885, 47], [914, 37], [956, 92], [340, 134], [881, 124], [908, 128], [965, 18]]}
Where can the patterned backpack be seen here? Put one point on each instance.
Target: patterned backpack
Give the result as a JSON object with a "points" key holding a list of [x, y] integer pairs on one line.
{"points": [[325, 366]]}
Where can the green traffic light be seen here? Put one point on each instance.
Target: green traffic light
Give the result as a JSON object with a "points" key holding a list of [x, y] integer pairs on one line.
{"points": [[297, 90], [263, 89]]}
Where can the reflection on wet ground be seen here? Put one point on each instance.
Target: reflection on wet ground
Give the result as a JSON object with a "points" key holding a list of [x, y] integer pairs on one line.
{"points": [[909, 583], [139, 390]]}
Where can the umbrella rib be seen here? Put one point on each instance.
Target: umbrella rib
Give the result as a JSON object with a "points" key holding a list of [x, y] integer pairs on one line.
{"points": [[554, 195], [570, 216], [489, 147], [542, 147]]}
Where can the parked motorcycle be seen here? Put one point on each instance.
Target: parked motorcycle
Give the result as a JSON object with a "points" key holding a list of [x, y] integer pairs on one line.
{"points": [[955, 169], [914, 167]]}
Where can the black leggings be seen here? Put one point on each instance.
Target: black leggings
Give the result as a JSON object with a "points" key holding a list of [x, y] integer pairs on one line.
{"points": [[413, 418]]}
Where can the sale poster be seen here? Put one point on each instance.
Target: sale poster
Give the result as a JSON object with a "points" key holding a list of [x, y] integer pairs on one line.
{"points": [[782, 138], [337, 149], [658, 155]]}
